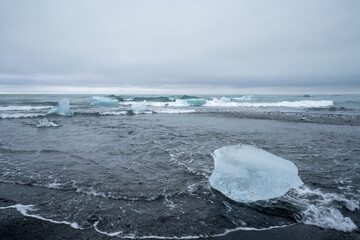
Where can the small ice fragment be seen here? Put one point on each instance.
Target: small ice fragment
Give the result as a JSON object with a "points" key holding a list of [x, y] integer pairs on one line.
{"points": [[46, 123]]}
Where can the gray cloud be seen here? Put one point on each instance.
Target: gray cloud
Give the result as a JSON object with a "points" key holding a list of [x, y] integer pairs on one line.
{"points": [[175, 44]]}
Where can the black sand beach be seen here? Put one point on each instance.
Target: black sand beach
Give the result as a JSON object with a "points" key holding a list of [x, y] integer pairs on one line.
{"points": [[13, 225]]}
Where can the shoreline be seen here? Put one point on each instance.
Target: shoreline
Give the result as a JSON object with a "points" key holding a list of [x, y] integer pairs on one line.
{"points": [[13, 225]]}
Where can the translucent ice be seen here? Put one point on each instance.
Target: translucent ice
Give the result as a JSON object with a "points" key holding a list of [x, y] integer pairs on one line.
{"points": [[63, 108], [225, 99], [139, 107], [191, 102], [103, 101], [245, 173]]}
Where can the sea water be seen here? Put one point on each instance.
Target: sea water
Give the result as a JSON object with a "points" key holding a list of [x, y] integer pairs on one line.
{"points": [[142, 167]]}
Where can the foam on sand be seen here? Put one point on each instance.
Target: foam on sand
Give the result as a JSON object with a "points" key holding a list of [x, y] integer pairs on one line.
{"points": [[63, 108], [245, 173], [25, 209], [319, 208]]}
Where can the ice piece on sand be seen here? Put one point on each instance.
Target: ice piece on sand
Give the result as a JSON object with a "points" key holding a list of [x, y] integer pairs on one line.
{"points": [[46, 123], [245, 173], [104, 101], [63, 108]]}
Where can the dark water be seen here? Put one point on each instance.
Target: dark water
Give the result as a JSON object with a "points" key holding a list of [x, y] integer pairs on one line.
{"points": [[136, 169]]}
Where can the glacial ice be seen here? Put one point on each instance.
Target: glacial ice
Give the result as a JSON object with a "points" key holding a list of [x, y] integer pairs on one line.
{"points": [[139, 106], [192, 102], [245, 173], [104, 101], [225, 99], [63, 108]]}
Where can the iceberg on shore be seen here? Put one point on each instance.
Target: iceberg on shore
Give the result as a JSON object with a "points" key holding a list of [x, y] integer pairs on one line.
{"points": [[104, 101], [245, 173], [63, 108]]}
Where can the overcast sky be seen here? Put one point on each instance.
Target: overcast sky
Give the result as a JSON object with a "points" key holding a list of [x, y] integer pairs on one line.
{"points": [[182, 46]]}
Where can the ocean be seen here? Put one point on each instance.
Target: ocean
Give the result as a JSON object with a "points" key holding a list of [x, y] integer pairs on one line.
{"points": [[138, 166]]}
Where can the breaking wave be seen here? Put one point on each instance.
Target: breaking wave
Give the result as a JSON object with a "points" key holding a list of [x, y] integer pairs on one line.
{"points": [[319, 209], [103, 101], [21, 115], [23, 108], [295, 104]]}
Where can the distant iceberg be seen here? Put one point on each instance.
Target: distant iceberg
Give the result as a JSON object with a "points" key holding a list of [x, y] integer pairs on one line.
{"points": [[225, 99], [191, 102], [63, 108], [245, 173], [139, 107], [46, 123], [104, 101]]}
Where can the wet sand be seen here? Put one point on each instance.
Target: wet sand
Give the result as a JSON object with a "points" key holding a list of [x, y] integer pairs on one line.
{"points": [[13, 225]]}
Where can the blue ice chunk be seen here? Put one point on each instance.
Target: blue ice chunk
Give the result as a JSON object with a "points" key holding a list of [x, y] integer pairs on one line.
{"points": [[194, 102], [225, 99], [139, 106], [245, 173], [63, 108]]}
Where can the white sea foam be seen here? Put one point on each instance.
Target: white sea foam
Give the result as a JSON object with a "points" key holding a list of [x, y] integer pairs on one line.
{"points": [[172, 111], [226, 232], [23, 108], [319, 208], [114, 113], [239, 102], [25, 209], [244, 98], [21, 115], [295, 104]]}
